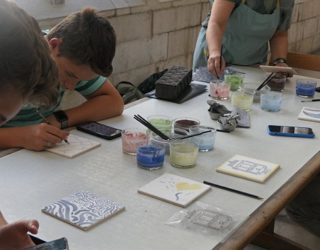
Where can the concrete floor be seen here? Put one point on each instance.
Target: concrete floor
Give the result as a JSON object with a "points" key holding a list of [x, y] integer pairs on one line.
{"points": [[289, 229]]}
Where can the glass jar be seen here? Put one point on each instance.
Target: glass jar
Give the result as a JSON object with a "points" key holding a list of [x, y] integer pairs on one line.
{"points": [[219, 89], [133, 138], [183, 153], [243, 98], [234, 79]]}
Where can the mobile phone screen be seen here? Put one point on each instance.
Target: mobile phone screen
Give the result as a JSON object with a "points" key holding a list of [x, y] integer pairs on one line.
{"points": [[100, 130], [290, 131]]}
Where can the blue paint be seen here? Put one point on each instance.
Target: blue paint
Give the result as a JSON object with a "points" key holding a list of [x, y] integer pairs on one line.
{"points": [[150, 157], [305, 88], [271, 101]]}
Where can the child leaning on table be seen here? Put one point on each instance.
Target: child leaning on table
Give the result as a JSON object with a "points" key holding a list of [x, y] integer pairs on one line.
{"points": [[83, 47], [27, 73]]}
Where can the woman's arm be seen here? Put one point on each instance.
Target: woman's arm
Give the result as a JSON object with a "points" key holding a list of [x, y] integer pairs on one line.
{"points": [[220, 12], [279, 45]]}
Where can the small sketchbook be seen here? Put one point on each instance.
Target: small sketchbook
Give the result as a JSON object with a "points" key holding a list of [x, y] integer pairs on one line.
{"points": [[276, 69], [309, 114], [174, 189], [83, 209], [248, 168], [77, 145]]}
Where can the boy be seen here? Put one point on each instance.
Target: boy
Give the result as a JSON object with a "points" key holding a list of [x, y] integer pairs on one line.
{"points": [[82, 46]]}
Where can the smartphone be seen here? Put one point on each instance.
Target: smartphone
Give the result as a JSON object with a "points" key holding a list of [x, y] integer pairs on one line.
{"points": [[291, 131], [100, 130], [59, 244]]}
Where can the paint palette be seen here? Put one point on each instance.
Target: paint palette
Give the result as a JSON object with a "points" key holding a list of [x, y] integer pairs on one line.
{"points": [[277, 69], [174, 189]]}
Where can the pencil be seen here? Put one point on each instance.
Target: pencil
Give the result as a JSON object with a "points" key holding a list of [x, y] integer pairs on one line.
{"points": [[232, 190], [46, 121]]}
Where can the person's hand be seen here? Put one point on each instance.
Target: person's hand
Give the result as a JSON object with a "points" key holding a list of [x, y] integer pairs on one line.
{"points": [[14, 236], [41, 136], [216, 65]]}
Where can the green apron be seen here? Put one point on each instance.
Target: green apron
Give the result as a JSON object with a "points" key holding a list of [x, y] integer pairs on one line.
{"points": [[245, 40]]}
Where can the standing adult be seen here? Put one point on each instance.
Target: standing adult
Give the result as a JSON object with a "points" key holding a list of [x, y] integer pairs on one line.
{"points": [[240, 32]]}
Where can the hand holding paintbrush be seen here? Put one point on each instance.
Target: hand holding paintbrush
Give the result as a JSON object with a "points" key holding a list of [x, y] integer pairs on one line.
{"points": [[48, 122], [216, 64]]}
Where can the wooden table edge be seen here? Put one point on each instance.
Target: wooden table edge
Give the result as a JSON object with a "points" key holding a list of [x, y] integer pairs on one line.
{"points": [[261, 217]]}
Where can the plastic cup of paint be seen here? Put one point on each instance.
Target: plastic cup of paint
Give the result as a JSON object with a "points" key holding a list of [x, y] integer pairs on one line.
{"points": [[243, 98], [204, 141], [157, 141], [150, 157], [306, 87], [133, 138], [183, 153], [234, 79], [182, 125], [277, 82], [271, 100], [161, 122], [219, 89]]}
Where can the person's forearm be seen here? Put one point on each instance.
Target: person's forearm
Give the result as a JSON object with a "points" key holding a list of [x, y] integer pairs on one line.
{"points": [[2, 220], [11, 138], [95, 109], [279, 45], [220, 12], [214, 37]]}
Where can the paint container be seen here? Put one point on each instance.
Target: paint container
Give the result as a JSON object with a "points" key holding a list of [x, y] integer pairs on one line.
{"points": [[132, 139], [181, 125], [161, 122], [205, 141], [219, 89], [277, 82], [234, 79], [157, 141], [271, 100], [243, 98], [150, 157], [183, 153], [306, 87]]}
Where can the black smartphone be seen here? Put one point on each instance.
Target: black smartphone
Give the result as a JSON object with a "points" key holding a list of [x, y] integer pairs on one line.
{"points": [[100, 130], [291, 131], [59, 244]]}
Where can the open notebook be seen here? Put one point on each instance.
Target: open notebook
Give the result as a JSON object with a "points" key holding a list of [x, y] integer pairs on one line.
{"points": [[77, 145], [248, 168], [83, 209], [174, 189]]}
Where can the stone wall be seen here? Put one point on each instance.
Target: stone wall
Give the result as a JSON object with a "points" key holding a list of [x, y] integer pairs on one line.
{"points": [[156, 34], [304, 33]]}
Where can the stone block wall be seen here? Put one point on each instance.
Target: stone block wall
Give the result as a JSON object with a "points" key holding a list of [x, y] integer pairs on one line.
{"points": [[155, 34], [304, 33]]}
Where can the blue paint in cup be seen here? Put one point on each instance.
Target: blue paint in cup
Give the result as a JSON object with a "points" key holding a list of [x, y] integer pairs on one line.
{"points": [[150, 157], [205, 141], [271, 101], [306, 87]]}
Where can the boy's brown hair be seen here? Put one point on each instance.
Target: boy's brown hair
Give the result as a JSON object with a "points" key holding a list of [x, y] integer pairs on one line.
{"points": [[25, 62], [87, 39]]}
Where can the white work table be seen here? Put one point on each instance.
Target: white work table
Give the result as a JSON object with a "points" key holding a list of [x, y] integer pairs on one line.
{"points": [[30, 180]]}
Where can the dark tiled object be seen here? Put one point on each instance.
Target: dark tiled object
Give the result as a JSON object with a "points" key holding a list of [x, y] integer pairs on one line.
{"points": [[173, 83]]}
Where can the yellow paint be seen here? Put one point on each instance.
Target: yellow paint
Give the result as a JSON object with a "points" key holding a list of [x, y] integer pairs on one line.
{"points": [[182, 186]]}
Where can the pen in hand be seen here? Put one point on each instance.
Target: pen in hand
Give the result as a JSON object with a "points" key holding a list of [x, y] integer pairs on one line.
{"points": [[46, 121]]}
